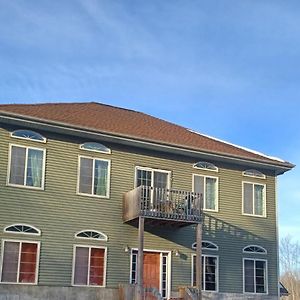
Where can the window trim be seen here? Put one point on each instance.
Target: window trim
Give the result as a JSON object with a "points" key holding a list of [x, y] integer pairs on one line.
{"points": [[81, 147], [108, 177], [21, 232], [264, 200], [44, 141], [204, 195], [42, 188], [266, 279], [260, 253], [263, 176], [91, 238], [216, 169], [104, 265], [19, 254], [217, 271], [204, 248]]}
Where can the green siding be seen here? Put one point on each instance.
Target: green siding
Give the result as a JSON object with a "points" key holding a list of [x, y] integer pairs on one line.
{"points": [[59, 213]]}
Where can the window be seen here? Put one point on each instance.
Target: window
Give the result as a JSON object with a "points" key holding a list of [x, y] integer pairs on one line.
{"points": [[152, 178], [28, 135], [20, 262], [22, 228], [89, 266], [96, 147], [254, 199], [208, 187], [254, 249], [209, 272], [94, 176], [26, 167], [254, 173], [91, 234], [205, 166], [206, 245], [255, 276]]}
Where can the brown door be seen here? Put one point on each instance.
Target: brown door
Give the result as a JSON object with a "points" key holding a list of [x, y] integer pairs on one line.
{"points": [[151, 272]]}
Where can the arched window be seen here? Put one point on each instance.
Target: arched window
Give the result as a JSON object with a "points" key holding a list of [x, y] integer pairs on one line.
{"points": [[206, 245], [204, 165], [254, 173], [22, 228], [96, 147], [91, 234], [28, 135], [254, 249]]}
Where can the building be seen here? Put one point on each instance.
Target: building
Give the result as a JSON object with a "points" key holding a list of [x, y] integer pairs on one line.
{"points": [[83, 186]]}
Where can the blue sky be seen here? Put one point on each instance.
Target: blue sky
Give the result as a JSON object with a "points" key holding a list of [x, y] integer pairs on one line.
{"points": [[230, 69]]}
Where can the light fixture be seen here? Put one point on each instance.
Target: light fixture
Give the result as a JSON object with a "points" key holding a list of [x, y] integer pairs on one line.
{"points": [[176, 252], [126, 248]]}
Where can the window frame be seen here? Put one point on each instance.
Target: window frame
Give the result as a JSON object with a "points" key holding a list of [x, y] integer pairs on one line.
{"points": [[258, 175], [42, 187], [44, 141], [260, 247], [266, 275], [214, 169], [264, 215], [107, 196], [194, 246], [81, 147], [204, 192], [88, 279], [22, 232], [38, 243], [91, 238], [203, 274]]}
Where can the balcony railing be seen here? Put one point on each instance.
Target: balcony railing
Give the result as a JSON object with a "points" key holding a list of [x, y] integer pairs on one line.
{"points": [[160, 203]]}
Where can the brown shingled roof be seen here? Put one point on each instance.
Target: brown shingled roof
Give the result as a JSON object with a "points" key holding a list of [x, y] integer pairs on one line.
{"points": [[118, 121]]}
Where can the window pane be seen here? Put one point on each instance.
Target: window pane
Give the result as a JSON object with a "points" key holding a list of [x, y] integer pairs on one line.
{"points": [[160, 180], [249, 276], [143, 178], [248, 198], [199, 184], [34, 168], [10, 262], [96, 266], [86, 175], [260, 276], [258, 199], [28, 263], [210, 199], [100, 179], [210, 273], [81, 266], [17, 165]]}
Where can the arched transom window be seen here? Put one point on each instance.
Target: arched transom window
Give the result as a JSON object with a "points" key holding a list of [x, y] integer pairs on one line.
{"points": [[206, 245], [254, 173], [204, 165], [28, 135], [91, 234], [96, 147], [254, 249], [22, 228]]}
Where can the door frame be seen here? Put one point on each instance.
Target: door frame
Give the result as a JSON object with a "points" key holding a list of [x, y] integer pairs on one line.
{"points": [[169, 267]]}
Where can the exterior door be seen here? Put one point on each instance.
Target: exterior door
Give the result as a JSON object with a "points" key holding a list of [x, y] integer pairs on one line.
{"points": [[151, 272]]}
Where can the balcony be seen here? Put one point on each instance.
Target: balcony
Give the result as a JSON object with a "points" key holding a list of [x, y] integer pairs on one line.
{"points": [[161, 206]]}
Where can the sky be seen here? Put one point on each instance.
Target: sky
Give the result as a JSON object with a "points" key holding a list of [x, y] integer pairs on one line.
{"points": [[229, 69]]}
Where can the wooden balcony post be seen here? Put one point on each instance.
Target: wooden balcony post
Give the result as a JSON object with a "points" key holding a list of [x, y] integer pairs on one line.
{"points": [[140, 262], [199, 260]]}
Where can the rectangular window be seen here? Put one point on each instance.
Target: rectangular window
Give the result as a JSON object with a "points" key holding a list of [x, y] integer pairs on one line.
{"points": [[208, 187], [89, 266], [19, 262], [255, 276], [26, 166], [254, 201], [209, 272], [94, 176]]}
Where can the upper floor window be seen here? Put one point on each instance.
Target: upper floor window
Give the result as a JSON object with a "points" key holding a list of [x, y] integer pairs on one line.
{"points": [[28, 135], [254, 199], [22, 228], [206, 245], [96, 147], [93, 176], [254, 173], [254, 249], [91, 234], [26, 166], [208, 187], [204, 165], [152, 178]]}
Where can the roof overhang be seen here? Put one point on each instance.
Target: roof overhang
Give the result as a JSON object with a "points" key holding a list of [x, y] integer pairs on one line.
{"points": [[88, 133]]}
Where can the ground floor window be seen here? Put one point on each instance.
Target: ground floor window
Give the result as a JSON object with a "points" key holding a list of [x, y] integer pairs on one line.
{"points": [[20, 262], [89, 266], [209, 272], [255, 276]]}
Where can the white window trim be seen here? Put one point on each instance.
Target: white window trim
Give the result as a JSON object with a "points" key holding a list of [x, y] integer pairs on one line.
{"points": [[88, 279], [217, 271], [204, 192], [206, 169], [108, 177], [90, 238], [25, 233], [44, 141], [266, 279], [264, 200], [37, 261], [25, 171], [203, 248], [261, 253], [254, 176], [81, 147]]}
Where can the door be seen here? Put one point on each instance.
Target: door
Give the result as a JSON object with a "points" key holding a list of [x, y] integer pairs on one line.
{"points": [[151, 272]]}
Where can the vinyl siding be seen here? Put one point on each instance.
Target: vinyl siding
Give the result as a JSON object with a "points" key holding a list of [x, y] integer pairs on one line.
{"points": [[59, 213]]}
